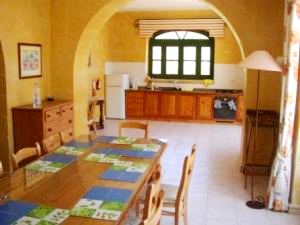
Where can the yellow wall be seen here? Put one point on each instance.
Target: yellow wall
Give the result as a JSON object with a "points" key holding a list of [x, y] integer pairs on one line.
{"points": [[22, 21], [132, 48]]}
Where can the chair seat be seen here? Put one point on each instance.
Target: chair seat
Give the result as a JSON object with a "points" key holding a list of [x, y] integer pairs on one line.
{"points": [[170, 194]]}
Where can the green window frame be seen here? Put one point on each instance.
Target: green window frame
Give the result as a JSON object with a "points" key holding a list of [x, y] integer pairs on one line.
{"points": [[160, 66]]}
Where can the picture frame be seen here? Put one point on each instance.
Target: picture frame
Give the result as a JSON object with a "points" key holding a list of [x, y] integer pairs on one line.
{"points": [[30, 60]]}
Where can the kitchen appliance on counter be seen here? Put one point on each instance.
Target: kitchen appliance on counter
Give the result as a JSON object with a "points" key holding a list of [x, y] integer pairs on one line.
{"points": [[116, 84]]}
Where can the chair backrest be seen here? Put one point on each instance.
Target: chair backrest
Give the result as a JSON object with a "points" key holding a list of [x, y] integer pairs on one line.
{"points": [[187, 170], [134, 125], [51, 143], [156, 174], [66, 135], [91, 109], [153, 204], [25, 153], [1, 169]]}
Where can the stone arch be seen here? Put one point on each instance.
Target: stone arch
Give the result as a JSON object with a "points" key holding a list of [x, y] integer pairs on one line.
{"points": [[88, 36], [4, 157]]}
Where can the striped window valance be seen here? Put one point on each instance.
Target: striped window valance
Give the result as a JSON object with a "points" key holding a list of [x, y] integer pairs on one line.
{"points": [[215, 27]]}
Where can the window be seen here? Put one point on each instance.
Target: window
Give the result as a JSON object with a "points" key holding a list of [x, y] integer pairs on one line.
{"points": [[181, 55]]}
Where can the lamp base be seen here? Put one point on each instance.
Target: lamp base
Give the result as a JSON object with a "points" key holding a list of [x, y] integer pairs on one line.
{"points": [[255, 204]]}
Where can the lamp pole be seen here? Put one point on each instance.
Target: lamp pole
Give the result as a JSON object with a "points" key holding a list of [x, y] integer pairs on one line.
{"points": [[254, 204]]}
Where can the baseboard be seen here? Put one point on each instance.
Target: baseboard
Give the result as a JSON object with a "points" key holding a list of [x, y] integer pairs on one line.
{"points": [[294, 209]]}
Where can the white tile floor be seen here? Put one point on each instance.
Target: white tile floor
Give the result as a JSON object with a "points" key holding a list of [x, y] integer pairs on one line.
{"points": [[217, 196]]}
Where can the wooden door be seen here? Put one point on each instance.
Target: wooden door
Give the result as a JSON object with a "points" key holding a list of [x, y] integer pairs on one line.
{"points": [[186, 106], [151, 104], [168, 105], [134, 104], [204, 107]]}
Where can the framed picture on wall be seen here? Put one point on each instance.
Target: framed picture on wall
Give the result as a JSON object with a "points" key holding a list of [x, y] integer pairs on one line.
{"points": [[30, 60]]}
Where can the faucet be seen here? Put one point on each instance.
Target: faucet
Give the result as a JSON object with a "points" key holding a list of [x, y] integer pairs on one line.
{"points": [[177, 86]]}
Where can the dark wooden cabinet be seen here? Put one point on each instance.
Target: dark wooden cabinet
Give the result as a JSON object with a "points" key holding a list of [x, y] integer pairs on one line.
{"points": [[204, 108], [135, 104], [34, 124], [186, 106], [168, 105], [195, 106], [151, 102]]}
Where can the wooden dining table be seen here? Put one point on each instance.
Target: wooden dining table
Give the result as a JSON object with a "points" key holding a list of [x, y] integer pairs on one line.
{"points": [[66, 187]]}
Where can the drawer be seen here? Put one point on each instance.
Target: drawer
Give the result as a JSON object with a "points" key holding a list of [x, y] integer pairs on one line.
{"points": [[52, 114], [51, 128], [67, 121], [67, 109]]}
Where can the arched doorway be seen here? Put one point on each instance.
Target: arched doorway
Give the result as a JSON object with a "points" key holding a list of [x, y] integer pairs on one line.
{"points": [[87, 38], [3, 113]]}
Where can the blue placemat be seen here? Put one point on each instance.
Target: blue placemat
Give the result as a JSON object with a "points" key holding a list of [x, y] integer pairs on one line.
{"points": [[11, 211], [108, 194], [124, 152], [123, 176], [79, 144], [66, 159], [106, 139]]}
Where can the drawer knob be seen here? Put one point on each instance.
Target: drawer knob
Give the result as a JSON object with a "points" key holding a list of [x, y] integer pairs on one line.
{"points": [[57, 113], [70, 121], [49, 129], [64, 111], [48, 116]]}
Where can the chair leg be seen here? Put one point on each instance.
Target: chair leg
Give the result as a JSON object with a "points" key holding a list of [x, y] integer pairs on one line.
{"points": [[185, 213]]}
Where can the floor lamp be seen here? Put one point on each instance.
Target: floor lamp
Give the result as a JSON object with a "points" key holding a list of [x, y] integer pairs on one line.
{"points": [[258, 60]]}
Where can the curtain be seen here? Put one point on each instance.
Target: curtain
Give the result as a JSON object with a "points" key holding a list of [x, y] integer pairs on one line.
{"points": [[279, 185]]}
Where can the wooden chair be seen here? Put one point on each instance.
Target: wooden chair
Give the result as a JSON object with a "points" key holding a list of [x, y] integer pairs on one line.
{"points": [[66, 135], [153, 204], [151, 212], [51, 143], [1, 169], [176, 199], [91, 120], [134, 125], [25, 154]]}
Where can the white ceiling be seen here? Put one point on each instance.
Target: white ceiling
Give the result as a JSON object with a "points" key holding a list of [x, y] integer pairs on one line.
{"points": [[156, 5]]}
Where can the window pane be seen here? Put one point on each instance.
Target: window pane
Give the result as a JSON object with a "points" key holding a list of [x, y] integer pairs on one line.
{"points": [[167, 35], [205, 53], [156, 67], [156, 52], [172, 67], [181, 34], [205, 68], [189, 53], [172, 53], [189, 68], [194, 35]]}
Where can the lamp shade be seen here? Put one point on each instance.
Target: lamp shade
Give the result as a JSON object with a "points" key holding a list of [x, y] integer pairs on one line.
{"points": [[260, 60]]}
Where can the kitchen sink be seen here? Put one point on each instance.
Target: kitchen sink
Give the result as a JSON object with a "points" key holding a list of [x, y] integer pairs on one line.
{"points": [[168, 89]]}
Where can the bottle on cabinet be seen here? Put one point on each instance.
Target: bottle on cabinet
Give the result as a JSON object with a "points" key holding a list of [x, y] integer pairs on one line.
{"points": [[36, 98]]}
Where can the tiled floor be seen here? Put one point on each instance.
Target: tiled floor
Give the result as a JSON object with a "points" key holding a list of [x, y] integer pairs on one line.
{"points": [[217, 196]]}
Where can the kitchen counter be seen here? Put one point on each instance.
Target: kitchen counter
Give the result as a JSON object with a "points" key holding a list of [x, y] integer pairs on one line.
{"points": [[195, 90], [198, 105]]}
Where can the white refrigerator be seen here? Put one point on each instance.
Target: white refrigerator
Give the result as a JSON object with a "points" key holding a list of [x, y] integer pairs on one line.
{"points": [[116, 84]]}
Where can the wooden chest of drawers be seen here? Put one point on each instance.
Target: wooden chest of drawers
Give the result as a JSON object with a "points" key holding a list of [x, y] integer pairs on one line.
{"points": [[34, 124]]}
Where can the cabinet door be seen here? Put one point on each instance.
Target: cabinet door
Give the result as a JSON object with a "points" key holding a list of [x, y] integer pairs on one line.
{"points": [[151, 104], [186, 106], [204, 107], [134, 104], [168, 105]]}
